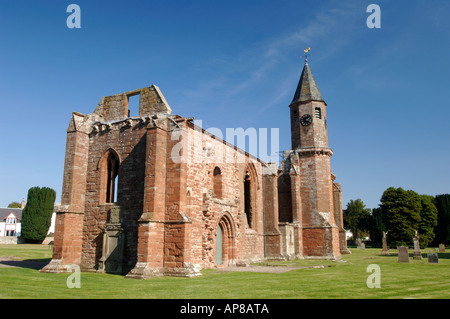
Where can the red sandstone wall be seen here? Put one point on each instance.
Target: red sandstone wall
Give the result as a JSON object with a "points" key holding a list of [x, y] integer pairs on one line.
{"points": [[144, 194], [129, 143], [205, 208]]}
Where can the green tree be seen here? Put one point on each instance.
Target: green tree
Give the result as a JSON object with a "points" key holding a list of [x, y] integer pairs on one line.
{"points": [[37, 214], [404, 212], [355, 217], [428, 220], [14, 205], [401, 215], [442, 229]]}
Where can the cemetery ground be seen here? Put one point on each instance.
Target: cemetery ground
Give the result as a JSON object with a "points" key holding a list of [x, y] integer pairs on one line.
{"points": [[295, 279]]}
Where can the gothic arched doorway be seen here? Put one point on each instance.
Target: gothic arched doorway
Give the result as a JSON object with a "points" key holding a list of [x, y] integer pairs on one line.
{"points": [[225, 250]]}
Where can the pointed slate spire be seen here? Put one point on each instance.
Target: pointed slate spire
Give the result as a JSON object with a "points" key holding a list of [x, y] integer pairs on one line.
{"points": [[307, 88]]}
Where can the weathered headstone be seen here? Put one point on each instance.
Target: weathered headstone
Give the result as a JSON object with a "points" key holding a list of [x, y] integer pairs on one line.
{"points": [[358, 242], [362, 246], [441, 248], [385, 250], [433, 258], [417, 253], [403, 255], [113, 243]]}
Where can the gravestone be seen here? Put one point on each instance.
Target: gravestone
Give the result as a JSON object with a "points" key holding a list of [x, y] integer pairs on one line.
{"points": [[113, 243], [403, 255], [362, 246], [417, 254], [433, 258], [441, 248], [358, 242], [385, 250]]}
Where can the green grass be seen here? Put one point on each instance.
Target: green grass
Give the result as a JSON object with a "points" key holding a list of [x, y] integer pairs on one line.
{"points": [[418, 279], [26, 252]]}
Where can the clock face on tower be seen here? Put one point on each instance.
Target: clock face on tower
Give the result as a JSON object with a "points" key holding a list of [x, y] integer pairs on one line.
{"points": [[305, 120]]}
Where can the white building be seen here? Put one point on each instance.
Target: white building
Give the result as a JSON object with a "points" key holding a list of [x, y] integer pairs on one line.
{"points": [[10, 221]]}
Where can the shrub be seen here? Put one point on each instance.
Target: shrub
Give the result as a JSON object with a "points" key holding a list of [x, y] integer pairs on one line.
{"points": [[37, 214]]}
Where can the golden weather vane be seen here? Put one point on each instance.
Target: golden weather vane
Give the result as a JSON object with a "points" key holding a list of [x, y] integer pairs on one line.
{"points": [[306, 53]]}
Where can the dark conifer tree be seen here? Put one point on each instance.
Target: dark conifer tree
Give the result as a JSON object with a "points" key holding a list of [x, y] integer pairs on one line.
{"points": [[37, 214]]}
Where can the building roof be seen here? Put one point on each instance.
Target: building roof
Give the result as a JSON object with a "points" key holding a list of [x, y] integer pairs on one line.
{"points": [[4, 212], [307, 89]]}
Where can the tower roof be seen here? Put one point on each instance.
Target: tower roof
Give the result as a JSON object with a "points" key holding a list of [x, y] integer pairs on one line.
{"points": [[307, 89]]}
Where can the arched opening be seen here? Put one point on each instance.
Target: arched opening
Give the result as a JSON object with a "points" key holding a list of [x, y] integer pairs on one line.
{"points": [[217, 177], [109, 174], [248, 199], [112, 172], [225, 251], [249, 196]]}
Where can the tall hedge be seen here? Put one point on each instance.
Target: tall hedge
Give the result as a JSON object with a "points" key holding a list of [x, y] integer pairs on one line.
{"points": [[37, 214]]}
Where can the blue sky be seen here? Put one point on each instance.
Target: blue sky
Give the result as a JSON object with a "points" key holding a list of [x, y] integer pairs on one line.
{"points": [[235, 64]]}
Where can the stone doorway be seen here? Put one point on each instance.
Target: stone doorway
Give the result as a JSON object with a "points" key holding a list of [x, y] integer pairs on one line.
{"points": [[225, 234]]}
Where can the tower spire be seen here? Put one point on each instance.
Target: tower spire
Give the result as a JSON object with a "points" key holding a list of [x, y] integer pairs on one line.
{"points": [[307, 89]]}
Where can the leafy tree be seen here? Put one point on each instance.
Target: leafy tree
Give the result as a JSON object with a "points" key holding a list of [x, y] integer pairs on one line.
{"points": [[37, 214], [401, 215], [355, 217], [442, 229], [404, 212], [428, 216], [14, 205]]}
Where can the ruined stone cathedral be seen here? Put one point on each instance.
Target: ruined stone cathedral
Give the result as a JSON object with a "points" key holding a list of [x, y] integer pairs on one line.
{"points": [[154, 194]]}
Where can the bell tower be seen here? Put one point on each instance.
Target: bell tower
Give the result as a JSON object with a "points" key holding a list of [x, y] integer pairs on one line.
{"points": [[320, 235], [308, 114]]}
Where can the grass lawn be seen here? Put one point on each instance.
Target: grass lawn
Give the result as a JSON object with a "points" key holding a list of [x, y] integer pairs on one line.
{"points": [[347, 280]]}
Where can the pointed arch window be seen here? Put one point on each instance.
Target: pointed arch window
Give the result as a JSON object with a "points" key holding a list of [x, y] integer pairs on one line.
{"points": [[248, 199], [113, 171], [249, 196], [217, 182], [109, 167]]}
